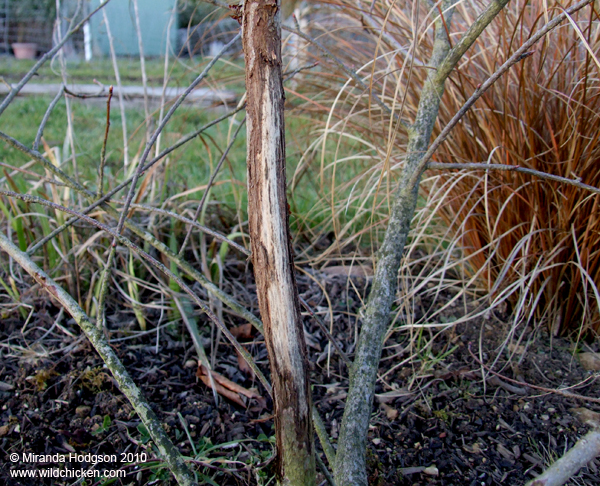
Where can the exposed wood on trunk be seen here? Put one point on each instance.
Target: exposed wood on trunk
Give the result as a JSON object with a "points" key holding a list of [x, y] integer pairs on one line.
{"points": [[271, 246]]}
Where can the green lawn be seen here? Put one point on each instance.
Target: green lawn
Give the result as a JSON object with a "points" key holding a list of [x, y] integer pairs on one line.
{"points": [[190, 166], [181, 71]]}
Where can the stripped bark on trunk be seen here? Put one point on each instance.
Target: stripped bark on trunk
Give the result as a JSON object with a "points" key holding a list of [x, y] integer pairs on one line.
{"points": [[271, 247]]}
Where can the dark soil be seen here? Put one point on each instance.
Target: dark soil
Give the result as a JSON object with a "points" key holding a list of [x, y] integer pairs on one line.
{"points": [[435, 422]]}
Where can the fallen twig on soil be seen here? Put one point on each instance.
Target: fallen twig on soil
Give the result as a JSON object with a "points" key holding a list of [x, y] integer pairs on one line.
{"points": [[584, 450], [556, 391]]}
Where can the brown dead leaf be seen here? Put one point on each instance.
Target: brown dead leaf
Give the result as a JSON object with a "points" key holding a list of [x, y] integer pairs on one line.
{"points": [[226, 383], [390, 412], [392, 395], [590, 361], [516, 348], [262, 418], [5, 430], [475, 448], [242, 332], [221, 390], [586, 416]]}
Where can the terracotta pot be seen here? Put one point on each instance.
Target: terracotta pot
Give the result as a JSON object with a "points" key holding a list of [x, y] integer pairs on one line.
{"points": [[25, 50]]}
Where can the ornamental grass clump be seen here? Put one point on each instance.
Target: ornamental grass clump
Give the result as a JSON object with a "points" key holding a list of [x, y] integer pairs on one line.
{"points": [[533, 241], [518, 239]]}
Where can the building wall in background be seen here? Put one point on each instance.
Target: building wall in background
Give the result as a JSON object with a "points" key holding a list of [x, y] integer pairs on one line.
{"points": [[154, 19]]}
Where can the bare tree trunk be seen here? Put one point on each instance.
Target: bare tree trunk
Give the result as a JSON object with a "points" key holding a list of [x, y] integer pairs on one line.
{"points": [[271, 246]]}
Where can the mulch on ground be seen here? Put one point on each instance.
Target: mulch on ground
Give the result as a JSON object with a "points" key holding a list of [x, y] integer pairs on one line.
{"points": [[435, 422]]}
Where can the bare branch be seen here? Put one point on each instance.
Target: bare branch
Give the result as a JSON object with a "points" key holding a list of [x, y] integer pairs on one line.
{"points": [[584, 450], [195, 224], [162, 125], [512, 168], [103, 151], [272, 255], [107, 197], [209, 185], [469, 38], [51, 106], [115, 64], [350, 461], [156, 264], [555, 391], [352, 74]]}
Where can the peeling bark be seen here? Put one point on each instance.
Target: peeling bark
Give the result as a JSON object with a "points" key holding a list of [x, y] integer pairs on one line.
{"points": [[271, 246]]}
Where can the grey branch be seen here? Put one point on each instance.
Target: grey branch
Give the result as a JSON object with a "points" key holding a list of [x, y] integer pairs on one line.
{"points": [[584, 450], [171, 455]]}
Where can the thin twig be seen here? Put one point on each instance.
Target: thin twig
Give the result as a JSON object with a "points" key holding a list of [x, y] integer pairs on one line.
{"points": [[84, 96], [34, 154], [290, 74], [165, 74], [327, 333], [204, 229], [209, 185], [31, 173], [161, 126], [113, 57], [103, 151], [101, 313], [519, 55], [512, 168], [166, 448], [51, 106], [379, 30], [138, 31], [351, 73], [189, 137], [555, 391], [324, 469], [106, 198], [156, 264], [238, 308]]}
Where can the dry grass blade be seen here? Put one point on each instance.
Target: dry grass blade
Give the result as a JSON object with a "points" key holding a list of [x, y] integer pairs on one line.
{"points": [[542, 123], [509, 230], [142, 407], [155, 263]]}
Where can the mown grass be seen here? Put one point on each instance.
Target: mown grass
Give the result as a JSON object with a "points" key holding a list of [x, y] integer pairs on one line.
{"points": [[182, 71], [189, 166]]}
